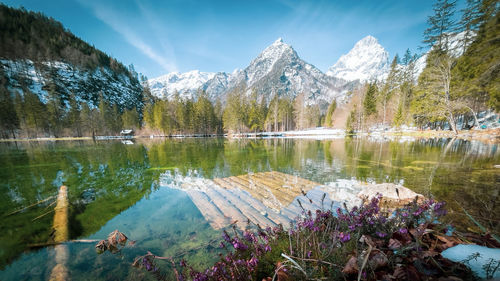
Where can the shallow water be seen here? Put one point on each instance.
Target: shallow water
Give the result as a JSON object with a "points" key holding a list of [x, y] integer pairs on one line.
{"points": [[113, 185]]}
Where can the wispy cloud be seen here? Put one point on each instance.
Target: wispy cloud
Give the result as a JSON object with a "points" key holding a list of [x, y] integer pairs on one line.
{"points": [[119, 24]]}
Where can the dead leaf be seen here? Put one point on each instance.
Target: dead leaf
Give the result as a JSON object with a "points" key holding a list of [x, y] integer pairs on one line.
{"points": [[449, 278], [399, 273], [351, 267], [378, 259], [394, 244], [446, 241], [430, 253], [412, 273]]}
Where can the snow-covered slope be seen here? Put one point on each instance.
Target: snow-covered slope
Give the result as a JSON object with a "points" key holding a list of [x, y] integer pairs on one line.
{"points": [[66, 79], [278, 69], [365, 61], [183, 83]]}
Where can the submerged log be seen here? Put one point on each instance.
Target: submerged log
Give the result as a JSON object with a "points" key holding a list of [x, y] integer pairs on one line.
{"points": [[279, 193], [260, 194], [61, 234], [228, 209], [253, 214], [263, 209], [211, 213]]}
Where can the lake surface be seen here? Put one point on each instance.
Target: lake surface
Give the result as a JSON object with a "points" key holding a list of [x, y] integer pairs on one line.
{"points": [[130, 187]]}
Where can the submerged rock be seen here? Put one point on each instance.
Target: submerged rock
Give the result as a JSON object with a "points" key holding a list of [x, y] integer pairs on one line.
{"points": [[393, 196]]}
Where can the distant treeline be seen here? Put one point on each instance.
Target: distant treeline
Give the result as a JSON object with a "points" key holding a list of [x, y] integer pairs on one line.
{"points": [[241, 113]]}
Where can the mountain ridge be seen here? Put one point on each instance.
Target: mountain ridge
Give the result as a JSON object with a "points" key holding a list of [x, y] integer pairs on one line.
{"points": [[367, 60], [278, 69]]}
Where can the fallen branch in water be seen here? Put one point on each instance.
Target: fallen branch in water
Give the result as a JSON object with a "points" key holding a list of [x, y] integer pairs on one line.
{"points": [[42, 215], [27, 207], [483, 229], [39, 245]]}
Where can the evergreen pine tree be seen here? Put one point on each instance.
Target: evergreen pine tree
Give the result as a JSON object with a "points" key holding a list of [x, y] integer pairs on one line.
{"points": [[440, 25], [236, 112], [9, 121], [55, 111], [475, 74], [329, 114], [389, 86], [469, 22], [73, 119], [351, 121], [369, 102], [90, 119], [36, 114], [398, 117], [219, 111], [103, 118], [255, 114]]}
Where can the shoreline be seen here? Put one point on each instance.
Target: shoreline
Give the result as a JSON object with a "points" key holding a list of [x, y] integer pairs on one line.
{"points": [[488, 135]]}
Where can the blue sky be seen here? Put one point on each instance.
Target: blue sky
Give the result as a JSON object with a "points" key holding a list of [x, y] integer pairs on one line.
{"points": [[181, 35]]}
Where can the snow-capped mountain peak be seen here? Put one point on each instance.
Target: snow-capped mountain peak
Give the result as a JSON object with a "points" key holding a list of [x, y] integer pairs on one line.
{"points": [[367, 41], [277, 69], [365, 61], [265, 61], [183, 83]]}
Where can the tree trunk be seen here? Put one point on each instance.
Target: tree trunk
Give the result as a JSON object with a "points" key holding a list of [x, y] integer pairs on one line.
{"points": [[476, 122], [385, 102], [453, 125]]}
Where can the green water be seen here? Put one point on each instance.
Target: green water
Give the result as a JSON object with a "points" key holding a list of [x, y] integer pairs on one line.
{"points": [[116, 186]]}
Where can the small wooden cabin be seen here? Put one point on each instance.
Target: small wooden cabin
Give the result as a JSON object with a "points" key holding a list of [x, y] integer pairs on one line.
{"points": [[127, 133]]}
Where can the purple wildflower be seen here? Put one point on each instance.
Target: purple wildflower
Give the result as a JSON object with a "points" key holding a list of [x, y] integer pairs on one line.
{"points": [[267, 248], [381, 234], [418, 211], [344, 237], [147, 264], [253, 262], [309, 254], [403, 230], [238, 245], [226, 236], [438, 209], [250, 237]]}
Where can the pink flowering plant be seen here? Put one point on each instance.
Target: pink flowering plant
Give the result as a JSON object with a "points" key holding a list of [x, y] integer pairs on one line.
{"points": [[364, 243]]}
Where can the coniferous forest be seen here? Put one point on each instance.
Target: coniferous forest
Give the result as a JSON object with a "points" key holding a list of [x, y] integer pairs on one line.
{"points": [[460, 79]]}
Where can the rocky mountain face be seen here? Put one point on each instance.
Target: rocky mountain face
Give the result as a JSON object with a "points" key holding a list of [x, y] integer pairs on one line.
{"points": [[277, 70], [85, 85], [39, 55], [367, 60]]}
